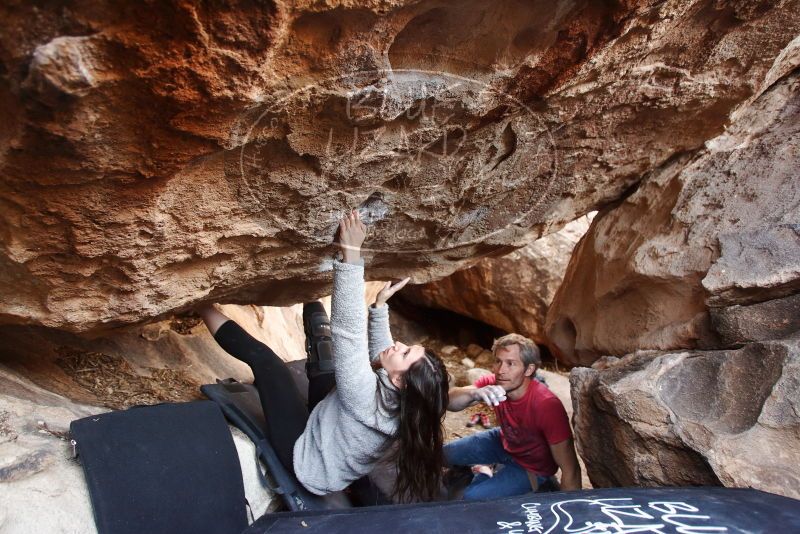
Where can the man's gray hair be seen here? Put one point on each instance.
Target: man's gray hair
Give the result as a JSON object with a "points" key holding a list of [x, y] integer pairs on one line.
{"points": [[528, 351]]}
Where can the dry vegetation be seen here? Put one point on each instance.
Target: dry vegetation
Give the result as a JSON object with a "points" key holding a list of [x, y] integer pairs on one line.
{"points": [[117, 385]]}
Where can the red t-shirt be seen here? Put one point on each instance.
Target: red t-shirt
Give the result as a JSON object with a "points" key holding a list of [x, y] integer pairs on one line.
{"points": [[529, 426]]}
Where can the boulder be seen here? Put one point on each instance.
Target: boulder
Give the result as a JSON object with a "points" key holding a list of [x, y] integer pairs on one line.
{"points": [[510, 292], [160, 362], [473, 350], [757, 264], [448, 350], [771, 319], [152, 159], [485, 359], [693, 281], [707, 231], [693, 418], [475, 373]]}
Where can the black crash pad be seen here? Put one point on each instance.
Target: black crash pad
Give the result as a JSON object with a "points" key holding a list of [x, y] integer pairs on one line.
{"points": [[603, 511], [162, 469]]}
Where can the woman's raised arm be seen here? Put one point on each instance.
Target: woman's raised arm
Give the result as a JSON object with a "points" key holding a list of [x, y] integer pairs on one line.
{"points": [[355, 380], [380, 336]]}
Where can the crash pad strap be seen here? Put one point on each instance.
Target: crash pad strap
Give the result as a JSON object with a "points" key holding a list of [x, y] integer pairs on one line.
{"points": [[162, 469], [241, 405]]}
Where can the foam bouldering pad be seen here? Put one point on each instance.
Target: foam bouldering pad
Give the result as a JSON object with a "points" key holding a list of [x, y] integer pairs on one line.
{"points": [[606, 511], [165, 469]]}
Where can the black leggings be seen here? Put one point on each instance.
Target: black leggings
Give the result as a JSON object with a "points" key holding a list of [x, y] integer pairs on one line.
{"points": [[284, 409]]}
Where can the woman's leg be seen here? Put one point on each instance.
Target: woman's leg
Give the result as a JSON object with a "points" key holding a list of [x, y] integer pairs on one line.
{"points": [[284, 410]]}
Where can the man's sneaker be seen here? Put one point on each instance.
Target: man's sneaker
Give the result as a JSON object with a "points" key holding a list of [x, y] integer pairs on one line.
{"points": [[485, 423], [474, 420]]}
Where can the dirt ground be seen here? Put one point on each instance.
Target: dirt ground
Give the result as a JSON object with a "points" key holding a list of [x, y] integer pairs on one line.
{"points": [[115, 383]]}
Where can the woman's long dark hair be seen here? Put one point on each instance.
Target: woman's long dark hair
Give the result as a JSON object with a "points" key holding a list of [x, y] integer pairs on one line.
{"points": [[418, 452]]}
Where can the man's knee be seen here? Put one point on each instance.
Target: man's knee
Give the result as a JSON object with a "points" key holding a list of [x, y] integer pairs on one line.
{"points": [[478, 491], [481, 448], [471, 494], [448, 450], [455, 451]]}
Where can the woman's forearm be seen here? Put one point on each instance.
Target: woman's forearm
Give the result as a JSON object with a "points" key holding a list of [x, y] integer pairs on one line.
{"points": [[351, 255], [355, 380], [378, 332]]}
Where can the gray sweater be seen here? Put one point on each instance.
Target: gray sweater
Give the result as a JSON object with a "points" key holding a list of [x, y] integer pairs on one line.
{"points": [[348, 431]]}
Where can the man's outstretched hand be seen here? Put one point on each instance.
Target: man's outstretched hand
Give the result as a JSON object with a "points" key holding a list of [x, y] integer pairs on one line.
{"points": [[491, 395], [352, 232]]}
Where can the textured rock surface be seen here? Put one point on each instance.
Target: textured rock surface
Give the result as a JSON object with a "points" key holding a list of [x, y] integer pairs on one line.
{"points": [[709, 230], [703, 256], [511, 292], [693, 418], [156, 156], [772, 319], [158, 362]]}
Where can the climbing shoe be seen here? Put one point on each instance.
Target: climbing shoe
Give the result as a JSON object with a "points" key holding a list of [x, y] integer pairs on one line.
{"points": [[319, 350]]}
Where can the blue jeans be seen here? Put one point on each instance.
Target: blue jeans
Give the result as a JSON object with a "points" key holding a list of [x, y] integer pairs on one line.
{"points": [[486, 448]]}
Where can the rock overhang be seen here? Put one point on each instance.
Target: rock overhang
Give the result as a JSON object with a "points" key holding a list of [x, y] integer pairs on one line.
{"points": [[158, 158]]}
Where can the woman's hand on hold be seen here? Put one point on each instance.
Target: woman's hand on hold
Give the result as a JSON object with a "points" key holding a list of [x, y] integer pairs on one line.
{"points": [[352, 232], [492, 395], [388, 290]]}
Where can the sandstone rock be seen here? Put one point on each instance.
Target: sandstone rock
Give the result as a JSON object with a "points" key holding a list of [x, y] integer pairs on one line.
{"points": [[475, 373], [473, 350], [693, 418], [485, 359], [510, 292], [710, 229], [448, 350], [703, 255], [756, 264], [155, 158], [160, 362], [166, 361], [772, 319]]}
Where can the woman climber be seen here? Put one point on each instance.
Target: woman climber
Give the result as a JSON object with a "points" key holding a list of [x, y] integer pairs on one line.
{"points": [[345, 430]]}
